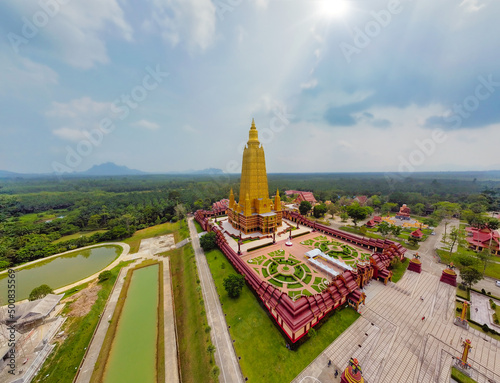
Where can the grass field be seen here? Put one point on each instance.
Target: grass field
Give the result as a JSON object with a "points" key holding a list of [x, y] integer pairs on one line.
{"points": [[368, 234], [399, 270], [193, 339], [150, 232], [199, 229], [77, 235], [264, 357], [492, 269], [461, 377], [62, 363]]}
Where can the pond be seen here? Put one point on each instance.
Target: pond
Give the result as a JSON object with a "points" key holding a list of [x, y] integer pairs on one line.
{"points": [[133, 352], [60, 271]]}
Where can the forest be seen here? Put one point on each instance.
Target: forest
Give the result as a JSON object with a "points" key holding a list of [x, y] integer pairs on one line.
{"points": [[44, 216]]}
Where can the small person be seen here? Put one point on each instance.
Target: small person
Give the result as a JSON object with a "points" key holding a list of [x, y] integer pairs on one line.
{"points": [[336, 373], [329, 363], [423, 318], [421, 298]]}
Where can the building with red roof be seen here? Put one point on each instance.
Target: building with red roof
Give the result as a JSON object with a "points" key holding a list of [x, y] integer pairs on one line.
{"points": [[306, 196], [220, 207], [417, 234], [296, 317], [361, 199], [480, 239]]}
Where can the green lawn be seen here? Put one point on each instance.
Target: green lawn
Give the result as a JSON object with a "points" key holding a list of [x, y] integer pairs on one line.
{"points": [[150, 232], [264, 357], [369, 234], [77, 235], [62, 363], [399, 270], [460, 377], [492, 270], [190, 317], [199, 229]]}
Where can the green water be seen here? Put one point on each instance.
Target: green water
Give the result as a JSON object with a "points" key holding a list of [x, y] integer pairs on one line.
{"points": [[133, 352], [60, 271]]}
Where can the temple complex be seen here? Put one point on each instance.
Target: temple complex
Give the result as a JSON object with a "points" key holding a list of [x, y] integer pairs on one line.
{"points": [[255, 211]]}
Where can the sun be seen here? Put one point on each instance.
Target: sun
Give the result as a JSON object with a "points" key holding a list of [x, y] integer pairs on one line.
{"points": [[334, 8]]}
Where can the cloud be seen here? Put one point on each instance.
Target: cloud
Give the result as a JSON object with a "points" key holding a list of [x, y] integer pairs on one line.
{"points": [[70, 120], [471, 5], [310, 84], [145, 124], [336, 117], [188, 128], [69, 134], [186, 21], [19, 74], [75, 31]]}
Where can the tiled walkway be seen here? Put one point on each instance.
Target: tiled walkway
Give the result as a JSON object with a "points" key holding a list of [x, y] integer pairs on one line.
{"points": [[394, 344]]}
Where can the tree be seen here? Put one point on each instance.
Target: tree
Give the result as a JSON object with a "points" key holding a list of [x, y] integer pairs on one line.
{"points": [[233, 284], [333, 209], [180, 211], [344, 216], [357, 212], [445, 210], [387, 207], [319, 210], [94, 221], [396, 230], [305, 207], [454, 238], [384, 228], [418, 208], [470, 276], [207, 241], [211, 349], [484, 258], [40, 292], [412, 240], [105, 275], [492, 224]]}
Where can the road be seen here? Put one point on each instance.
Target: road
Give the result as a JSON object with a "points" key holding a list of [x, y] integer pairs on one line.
{"points": [[225, 356]]}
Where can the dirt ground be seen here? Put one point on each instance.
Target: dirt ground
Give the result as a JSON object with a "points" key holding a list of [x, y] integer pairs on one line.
{"points": [[82, 301]]}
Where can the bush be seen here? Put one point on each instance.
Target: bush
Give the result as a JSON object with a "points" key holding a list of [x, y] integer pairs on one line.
{"points": [[483, 291], [40, 292], [233, 284], [105, 275], [485, 327], [207, 241]]}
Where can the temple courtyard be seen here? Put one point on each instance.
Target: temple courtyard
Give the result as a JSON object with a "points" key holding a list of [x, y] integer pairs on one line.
{"points": [[406, 334], [293, 271]]}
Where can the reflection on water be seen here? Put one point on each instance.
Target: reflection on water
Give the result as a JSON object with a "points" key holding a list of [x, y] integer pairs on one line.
{"points": [[60, 271]]}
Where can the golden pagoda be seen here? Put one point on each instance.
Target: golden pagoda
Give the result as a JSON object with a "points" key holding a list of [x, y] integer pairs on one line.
{"points": [[255, 212]]}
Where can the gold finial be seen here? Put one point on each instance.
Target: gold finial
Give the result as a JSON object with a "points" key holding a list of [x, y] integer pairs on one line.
{"points": [[253, 124]]}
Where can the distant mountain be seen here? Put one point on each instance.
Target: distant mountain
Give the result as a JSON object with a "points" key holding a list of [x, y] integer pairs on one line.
{"points": [[6, 174], [207, 171], [110, 169]]}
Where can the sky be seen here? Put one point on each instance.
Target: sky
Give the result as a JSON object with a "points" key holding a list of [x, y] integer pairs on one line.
{"points": [[172, 85]]}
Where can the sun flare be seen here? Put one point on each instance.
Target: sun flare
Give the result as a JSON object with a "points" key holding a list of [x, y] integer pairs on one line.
{"points": [[334, 8]]}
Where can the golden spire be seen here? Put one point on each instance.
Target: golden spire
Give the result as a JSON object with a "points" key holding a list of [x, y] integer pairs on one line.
{"points": [[253, 135], [277, 201]]}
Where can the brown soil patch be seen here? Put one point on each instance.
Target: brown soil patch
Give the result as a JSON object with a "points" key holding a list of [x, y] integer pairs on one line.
{"points": [[83, 300]]}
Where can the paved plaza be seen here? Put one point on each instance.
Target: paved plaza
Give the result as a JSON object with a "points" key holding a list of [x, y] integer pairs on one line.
{"points": [[394, 344], [291, 270]]}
